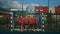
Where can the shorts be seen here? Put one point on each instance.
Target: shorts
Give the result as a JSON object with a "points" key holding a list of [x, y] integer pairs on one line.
{"points": [[34, 24], [31, 25], [20, 23], [25, 24]]}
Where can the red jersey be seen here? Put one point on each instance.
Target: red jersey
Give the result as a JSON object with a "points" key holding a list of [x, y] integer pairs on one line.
{"points": [[26, 20], [30, 21], [34, 20], [21, 20]]}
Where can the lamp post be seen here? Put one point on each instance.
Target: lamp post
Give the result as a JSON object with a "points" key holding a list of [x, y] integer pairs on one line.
{"points": [[49, 19], [48, 16], [22, 8]]}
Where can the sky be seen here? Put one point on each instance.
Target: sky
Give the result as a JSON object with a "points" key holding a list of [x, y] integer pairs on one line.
{"points": [[18, 3]]}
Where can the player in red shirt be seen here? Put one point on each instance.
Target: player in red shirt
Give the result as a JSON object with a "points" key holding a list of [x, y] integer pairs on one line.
{"points": [[21, 22], [31, 22], [26, 22], [34, 22]]}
